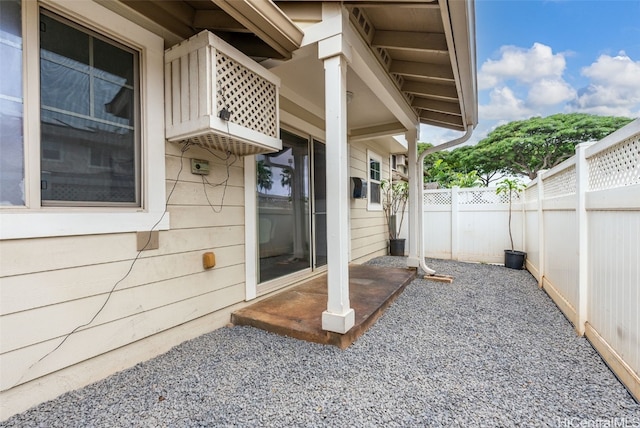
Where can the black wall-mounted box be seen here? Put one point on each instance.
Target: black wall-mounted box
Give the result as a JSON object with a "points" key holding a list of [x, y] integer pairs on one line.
{"points": [[359, 188]]}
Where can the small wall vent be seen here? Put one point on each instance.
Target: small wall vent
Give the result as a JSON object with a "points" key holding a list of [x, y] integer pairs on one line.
{"points": [[205, 76]]}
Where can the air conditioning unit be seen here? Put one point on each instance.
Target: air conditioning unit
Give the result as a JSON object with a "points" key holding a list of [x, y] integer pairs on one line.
{"points": [[219, 98]]}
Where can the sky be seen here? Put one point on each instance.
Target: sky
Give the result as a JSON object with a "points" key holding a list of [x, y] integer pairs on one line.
{"points": [[542, 57]]}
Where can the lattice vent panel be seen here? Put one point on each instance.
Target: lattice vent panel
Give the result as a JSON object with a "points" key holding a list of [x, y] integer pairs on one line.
{"points": [[561, 184], [225, 143], [617, 166], [437, 198], [250, 98]]}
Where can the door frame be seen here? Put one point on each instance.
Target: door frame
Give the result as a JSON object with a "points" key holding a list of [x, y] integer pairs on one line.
{"points": [[252, 254]]}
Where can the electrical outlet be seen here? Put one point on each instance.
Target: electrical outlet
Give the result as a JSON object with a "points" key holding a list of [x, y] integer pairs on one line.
{"points": [[199, 166]]}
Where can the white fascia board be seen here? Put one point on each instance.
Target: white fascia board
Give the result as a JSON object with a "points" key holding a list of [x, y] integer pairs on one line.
{"points": [[458, 18]]}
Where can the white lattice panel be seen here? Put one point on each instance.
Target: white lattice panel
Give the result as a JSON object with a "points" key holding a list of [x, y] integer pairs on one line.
{"points": [[249, 97], [561, 184], [617, 166], [486, 196], [203, 75], [437, 197]]}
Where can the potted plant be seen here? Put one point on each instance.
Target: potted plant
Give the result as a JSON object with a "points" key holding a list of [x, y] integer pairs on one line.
{"points": [[394, 202], [512, 186]]}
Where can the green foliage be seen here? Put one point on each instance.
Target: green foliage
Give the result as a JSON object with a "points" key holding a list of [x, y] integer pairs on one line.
{"points": [[394, 200], [510, 186], [525, 147], [520, 148], [442, 171], [263, 175]]}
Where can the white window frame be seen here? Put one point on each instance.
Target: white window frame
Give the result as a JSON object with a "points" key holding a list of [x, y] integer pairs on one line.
{"points": [[33, 220], [371, 206]]}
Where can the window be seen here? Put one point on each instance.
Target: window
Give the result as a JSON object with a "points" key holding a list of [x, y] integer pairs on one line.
{"points": [[375, 175], [81, 121], [11, 105], [88, 109]]}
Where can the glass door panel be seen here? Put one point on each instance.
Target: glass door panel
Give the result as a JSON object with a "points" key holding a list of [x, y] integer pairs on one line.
{"points": [[283, 191], [319, 204]]}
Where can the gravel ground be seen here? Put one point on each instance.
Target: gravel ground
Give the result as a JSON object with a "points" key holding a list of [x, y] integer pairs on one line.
{"points": [[491, 349]]}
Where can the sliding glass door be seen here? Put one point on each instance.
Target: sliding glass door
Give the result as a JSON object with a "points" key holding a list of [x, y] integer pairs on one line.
{"points": [[291, 217]]}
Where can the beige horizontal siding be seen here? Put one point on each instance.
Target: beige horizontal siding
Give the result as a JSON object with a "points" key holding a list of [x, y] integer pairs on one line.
{"points": [[25, 365], [368, 227], [52, 286]]}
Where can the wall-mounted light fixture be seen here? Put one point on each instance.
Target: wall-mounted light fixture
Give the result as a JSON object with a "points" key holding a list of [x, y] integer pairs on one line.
{"points": [[349, 97]]}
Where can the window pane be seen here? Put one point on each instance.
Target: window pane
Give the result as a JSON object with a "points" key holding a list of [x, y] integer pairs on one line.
{"points": [[11, 102], [374, 189], [88, 108], [374, 168]]}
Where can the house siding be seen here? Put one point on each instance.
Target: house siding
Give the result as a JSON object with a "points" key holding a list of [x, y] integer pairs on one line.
{"points": [[52, 286], [368, 228]]}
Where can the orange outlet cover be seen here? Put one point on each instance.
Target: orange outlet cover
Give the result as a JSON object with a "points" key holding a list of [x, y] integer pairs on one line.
{"points": [[208, 260]]}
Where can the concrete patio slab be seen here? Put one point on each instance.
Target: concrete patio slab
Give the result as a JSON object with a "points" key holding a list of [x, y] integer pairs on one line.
{"points": [[297, 312]]}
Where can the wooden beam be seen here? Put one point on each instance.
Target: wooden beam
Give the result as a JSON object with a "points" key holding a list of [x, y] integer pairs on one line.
{"points": [[441, 119], [413, 4], [217, 20], [421, 69], [435, 91], [393, 128], [437, 106], [411, 40]]}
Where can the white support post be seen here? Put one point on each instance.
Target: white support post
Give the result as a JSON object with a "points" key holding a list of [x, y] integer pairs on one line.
{"points": [[582, 183], [454, 222], [339, 316], [415, 194], [541, 248]]}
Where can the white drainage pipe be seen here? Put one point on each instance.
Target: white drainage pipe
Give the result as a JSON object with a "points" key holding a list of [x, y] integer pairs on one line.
{"points": [[420, 168]]}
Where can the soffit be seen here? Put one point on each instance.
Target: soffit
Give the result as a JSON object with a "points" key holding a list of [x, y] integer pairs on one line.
{"points": [[258, 28], [410, 40], [427, 47]]}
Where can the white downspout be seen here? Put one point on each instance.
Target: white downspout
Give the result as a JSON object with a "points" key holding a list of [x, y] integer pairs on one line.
{"points": [[420, 171]]}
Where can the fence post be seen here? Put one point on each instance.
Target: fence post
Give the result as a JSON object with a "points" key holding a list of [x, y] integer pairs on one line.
{"points": [[582, 183], [454, 222], [541, 248]]}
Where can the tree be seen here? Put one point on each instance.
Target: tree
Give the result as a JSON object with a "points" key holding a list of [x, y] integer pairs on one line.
{"points": [[510, 186], [473, 158], [525, 147], [263, 175], [443, 168]]}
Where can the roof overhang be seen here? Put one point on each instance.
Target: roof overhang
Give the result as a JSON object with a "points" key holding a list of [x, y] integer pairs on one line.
{"points": [[428, 48], [417, 56]]}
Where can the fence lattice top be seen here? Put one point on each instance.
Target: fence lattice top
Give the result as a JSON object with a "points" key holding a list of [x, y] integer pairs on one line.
{"points": [[468, 196], [617, 166], [561, 184]]}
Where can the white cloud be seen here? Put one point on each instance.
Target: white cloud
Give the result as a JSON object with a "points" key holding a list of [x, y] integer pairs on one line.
{"points": [[504, 105], [614, 88], [523, 65], [548, 92]]}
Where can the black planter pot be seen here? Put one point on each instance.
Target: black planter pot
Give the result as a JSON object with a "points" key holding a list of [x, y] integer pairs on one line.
{"points": [[396, 247], [514, 259]]}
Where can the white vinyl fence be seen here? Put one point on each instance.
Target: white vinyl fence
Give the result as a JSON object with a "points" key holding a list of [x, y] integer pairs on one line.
{"points": [[580, 226], [471, 224]]}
